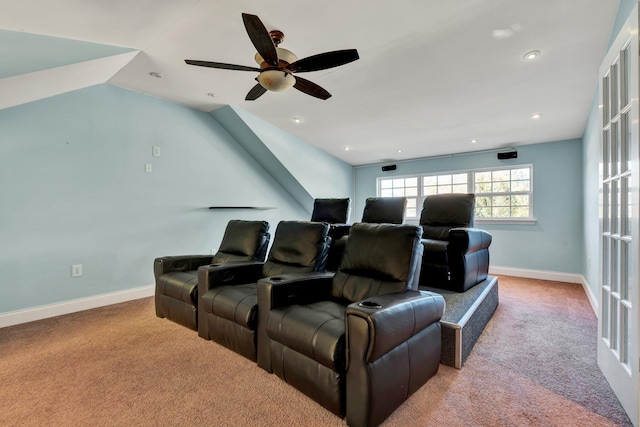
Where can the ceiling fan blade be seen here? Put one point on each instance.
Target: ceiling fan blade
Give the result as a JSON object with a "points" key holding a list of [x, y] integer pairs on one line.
{"points": [[220, 65], [256, 92], [311, 88], [260, 38], [322, 61]]}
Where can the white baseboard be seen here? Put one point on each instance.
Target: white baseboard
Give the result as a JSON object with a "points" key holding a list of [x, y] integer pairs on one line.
{"points": [[536, 274], [51, 310], [549, 275]]}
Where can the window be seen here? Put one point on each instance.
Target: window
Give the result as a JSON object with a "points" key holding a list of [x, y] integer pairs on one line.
{"points": [[501, 194]]}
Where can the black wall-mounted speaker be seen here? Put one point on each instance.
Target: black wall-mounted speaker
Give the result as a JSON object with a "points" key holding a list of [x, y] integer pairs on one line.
{"points": [[389, 168], [508, 155]]}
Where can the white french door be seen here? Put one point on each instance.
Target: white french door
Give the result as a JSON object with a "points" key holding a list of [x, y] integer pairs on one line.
{"points": [[619, 219]]}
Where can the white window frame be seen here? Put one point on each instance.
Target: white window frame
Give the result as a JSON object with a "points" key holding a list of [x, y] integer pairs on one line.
{"points": [[470, 189]]}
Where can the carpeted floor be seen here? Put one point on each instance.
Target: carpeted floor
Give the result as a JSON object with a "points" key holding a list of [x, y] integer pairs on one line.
{"points": [[534, 365]]}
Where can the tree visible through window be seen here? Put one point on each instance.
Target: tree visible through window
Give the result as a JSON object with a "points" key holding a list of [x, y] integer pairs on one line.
{"points": [[503, 193]]}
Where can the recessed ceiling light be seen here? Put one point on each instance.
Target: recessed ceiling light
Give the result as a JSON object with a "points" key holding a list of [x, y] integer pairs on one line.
{"points": [[296, 119], [531, 55], [346, 148], [399, 151], [211, 94], [536, 116], [473, 141], [155, 74]]}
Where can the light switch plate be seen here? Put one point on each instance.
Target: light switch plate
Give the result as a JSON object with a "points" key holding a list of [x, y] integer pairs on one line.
{"points": [[148, 168], [76, 270], [156, 151]]}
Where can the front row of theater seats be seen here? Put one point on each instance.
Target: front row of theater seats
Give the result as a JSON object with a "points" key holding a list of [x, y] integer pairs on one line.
{"points": [[359, 340]]}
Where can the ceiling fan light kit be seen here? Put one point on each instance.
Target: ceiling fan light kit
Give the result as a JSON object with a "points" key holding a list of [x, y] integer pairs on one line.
{"points": [[278, 65]]}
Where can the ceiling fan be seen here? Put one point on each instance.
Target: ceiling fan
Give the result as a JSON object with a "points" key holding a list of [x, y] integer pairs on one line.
{"points": [[277, 65]]}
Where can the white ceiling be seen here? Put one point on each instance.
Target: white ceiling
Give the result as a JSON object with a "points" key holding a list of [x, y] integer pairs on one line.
{"points": [[432, 74]]}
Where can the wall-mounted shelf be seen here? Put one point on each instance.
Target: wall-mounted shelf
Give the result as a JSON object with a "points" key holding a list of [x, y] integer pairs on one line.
{"points": [[260, 208]]}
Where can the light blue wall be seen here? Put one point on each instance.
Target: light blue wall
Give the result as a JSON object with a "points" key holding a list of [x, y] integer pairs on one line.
{"points": [[554, 243], [591, 160], [73, 190], [23, 53]]}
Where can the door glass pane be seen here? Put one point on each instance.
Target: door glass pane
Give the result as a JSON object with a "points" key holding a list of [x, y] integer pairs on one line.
{"points": [[614, 267], [615, 148], [606, 158], [624, 334], [606, 207], [624, 77], [606, 99], [613, 89], [606, 262], [605, 312], [613, 327], [625, 269], [625, 141]]}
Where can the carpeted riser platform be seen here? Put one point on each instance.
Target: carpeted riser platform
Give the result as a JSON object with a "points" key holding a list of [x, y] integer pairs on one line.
{"points": [[465, 318]]}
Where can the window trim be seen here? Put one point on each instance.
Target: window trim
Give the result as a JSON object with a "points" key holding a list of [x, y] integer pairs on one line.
{"points": [[470, 187]]}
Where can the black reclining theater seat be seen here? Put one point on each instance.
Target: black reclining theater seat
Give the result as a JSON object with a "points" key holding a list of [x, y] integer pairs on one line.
{"points": [[335, 212], [228, 303], [362, 341], [456, 255], [176, 294]]}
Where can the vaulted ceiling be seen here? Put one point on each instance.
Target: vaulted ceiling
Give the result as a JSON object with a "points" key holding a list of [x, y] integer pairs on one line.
{"points": [[432, 77]]}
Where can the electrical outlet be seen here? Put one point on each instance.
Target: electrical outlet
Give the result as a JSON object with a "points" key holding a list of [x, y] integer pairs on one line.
{"points": [[76, 270], [148, 168], [156, 151]]}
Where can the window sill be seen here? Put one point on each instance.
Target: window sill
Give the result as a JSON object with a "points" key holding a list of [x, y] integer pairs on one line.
{"points": [[511, 221]]}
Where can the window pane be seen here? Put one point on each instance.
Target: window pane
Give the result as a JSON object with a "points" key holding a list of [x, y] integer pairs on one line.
{"points": [[502, 175], [484, 187], [385, 183], [411, 182], [430, 190], [483, 201], [501, 212], [444, 179], [483, 176], [411, 191], [410, 213], [460, 188], [519, 186], [398, 182], [501, 201], [520, 212], [520, 200], [520, 174], [446, 189], [430, 180], [501, 187], [411, 203], [386, 193], [460, 178], [398, 192], [483, 212]]}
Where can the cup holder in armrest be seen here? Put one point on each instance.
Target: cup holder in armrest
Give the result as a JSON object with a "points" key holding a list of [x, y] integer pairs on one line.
{"points": [[369, 304], [276, 279]]}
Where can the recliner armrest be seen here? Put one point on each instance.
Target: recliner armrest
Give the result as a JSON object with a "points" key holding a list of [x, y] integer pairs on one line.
{"points": [[167, 264], [468, 240], [294, 288], [284, 290], [394, 319], [228, 273]]}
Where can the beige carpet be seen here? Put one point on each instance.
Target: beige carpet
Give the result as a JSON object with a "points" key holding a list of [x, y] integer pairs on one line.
{"points": [[122, 366]]}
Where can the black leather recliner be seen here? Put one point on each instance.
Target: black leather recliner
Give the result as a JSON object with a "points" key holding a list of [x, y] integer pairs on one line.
{"points": [[176, 295], [228, 303], [388, 210], [360, 342], [456, 255], [377, 210], [335, 212]]}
